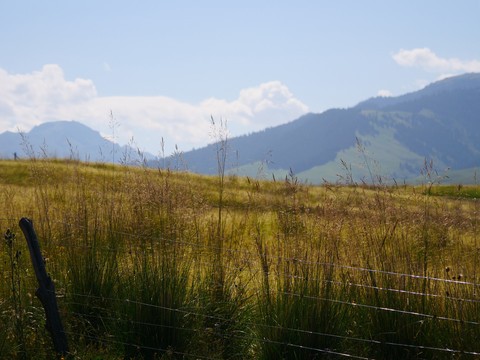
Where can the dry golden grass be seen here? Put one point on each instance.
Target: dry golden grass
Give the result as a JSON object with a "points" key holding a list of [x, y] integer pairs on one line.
{"points": [[243, 250]]}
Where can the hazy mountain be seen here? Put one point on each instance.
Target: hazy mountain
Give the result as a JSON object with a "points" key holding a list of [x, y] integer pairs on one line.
{"points": [[462, 82], [65, 139], [397, 134]]}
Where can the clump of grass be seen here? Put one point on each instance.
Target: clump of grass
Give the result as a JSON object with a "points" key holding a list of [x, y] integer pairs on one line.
{"points": [[15, 282], [224, 305], [297, 320], [157, 290], [91, 283], [225, 319]]}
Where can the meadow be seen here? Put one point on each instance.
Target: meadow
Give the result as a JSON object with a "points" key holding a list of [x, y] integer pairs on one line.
{"points": [[163, 264]]}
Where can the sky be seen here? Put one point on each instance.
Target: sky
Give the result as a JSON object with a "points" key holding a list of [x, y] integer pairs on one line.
{"points": [[149, 70]]}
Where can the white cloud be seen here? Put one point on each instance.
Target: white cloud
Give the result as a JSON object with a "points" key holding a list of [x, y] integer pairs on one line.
{"points": [[106, 66], [445, 76], [40, 96], [384, 93], [427, 60], [266, 105], [29, 99]]}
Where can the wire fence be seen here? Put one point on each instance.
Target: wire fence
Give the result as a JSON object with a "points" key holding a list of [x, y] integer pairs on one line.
{"points": [[99, 315], [184, 312]]}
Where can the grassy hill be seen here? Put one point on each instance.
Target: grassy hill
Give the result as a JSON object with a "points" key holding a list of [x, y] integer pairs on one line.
{"points": [[150, 264]]}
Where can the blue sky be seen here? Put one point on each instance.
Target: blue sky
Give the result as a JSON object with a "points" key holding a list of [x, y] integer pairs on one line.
{"points": [[164, 67]]}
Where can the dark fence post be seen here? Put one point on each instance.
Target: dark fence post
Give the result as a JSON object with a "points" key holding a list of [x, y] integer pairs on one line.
{"points": [[46, 290]]}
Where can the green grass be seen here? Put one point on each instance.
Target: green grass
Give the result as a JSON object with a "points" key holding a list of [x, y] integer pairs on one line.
{"points": [[152, 264], [456, 191]]}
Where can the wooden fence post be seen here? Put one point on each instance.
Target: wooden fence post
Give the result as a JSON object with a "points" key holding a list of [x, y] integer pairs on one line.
{"points": [[46, 290]]}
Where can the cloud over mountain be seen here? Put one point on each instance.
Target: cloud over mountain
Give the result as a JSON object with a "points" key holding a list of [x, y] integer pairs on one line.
{"points": [[384, 93], [429, 61], [266, 105], [45, 95], [28, 99]]}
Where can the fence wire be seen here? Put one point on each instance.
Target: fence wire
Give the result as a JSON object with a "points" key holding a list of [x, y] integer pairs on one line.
{"points": [[69, 242], [256, 254], [255, 324]]}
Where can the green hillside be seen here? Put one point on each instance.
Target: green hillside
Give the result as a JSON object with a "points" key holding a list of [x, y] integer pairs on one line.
{"points": [[440, 122]]}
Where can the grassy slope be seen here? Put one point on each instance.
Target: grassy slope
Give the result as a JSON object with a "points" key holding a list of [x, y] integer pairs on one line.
{"points": [[247, 266]]}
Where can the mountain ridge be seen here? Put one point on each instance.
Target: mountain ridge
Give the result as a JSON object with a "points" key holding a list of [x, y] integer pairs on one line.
{"points": [[395, 135], [464, 81], [66, 139], [440, 122]]}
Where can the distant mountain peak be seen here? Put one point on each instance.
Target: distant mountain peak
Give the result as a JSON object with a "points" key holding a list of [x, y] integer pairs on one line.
{"points": [[466, 81], [460, 82], [64, 139]]}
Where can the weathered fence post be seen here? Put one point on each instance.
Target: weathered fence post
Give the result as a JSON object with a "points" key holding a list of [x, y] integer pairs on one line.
{"points": [[46, 290]]}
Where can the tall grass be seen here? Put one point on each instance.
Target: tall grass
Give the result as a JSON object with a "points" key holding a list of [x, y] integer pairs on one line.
{"points": [[155, 263]]}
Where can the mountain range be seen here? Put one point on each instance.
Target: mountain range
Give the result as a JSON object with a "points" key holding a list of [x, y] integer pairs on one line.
{"points": [[388, 136]]}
